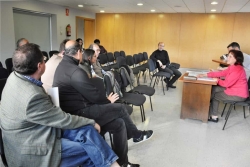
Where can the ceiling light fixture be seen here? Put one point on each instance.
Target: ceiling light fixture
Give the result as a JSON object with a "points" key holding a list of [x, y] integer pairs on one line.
{"points": [[213, 10], [152, 10], [102, 11], [80, 6], [139, 4], [214, 3]]}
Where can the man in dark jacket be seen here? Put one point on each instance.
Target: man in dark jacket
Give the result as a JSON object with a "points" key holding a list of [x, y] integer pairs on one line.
{"points": [[79, 96], [161, 58]]}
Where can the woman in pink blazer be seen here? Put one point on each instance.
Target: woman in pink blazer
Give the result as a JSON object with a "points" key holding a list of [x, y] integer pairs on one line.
{"points": [[234, 87]]}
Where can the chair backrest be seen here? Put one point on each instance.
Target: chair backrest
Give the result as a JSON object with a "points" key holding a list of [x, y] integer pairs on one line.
{"points": [[103, 58], [136, 59], [2, 84], [151, 65], [110, 57], [116, 54], [140, 57], [130, 60], [145, 56], [1, 65], [111, 84], [121, 61], [125, 77], [2, 150], [46, 55], [122, 53], [53, 52], [9, 65], [3, 73]]}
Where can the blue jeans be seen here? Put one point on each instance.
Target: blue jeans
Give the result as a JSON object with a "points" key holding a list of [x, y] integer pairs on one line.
{"points": [[84, 146]]}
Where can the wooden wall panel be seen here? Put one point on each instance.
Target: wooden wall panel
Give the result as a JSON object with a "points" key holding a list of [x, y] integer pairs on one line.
{"points": [[192, 37], [89, 32], [105, 30], [218, 36], [124, 28], [241, 31], [192, 40], [145, 33], [168, 31]]}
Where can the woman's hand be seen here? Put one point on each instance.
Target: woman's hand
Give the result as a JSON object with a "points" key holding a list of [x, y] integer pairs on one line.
{"points": [[201, 75], [113, 97]]}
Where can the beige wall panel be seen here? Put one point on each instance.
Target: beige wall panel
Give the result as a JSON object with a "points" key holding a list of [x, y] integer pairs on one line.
{"points": [[89, 32], [145, 33], [241, 32], [168, 31], [124, 30], [219, 32], [192, 37], [105, 30]]}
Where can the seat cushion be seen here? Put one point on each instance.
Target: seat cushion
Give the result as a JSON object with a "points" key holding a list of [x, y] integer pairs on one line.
{"points": [[132, 98], [144, 89]]}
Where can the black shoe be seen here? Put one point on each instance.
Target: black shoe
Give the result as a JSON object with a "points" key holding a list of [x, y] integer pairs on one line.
{"points": [[171, 86], [213, 120], [144, 136], [130, 165]]}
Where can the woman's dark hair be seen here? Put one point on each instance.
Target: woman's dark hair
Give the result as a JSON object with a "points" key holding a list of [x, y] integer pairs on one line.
{"points": [[97, 41], [79, 39], [26, 59], [238, 55]]}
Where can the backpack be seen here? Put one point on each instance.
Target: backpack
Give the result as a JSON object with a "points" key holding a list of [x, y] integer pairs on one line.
{"points": [[114, 86]]}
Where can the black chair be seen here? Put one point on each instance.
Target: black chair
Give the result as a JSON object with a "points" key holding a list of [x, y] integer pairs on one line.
{"points": [[2, 84], [153, 71], [244, 104], [122, 53], [9, 65], [141, 89], [103, 60], [52, 52], [46, 55], [111, 61], [1, 65], [128, 98], [2, 150], [136, 70], [3, 73], [116, 54]]}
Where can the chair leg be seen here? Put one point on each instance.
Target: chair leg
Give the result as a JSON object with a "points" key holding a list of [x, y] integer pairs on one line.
{"points": [[227, 116], [223, 110], [244, 112], [143, 112], [151, 81], [154, 82], [111, 141], [151, 103], [141, 115], [162, 85]]}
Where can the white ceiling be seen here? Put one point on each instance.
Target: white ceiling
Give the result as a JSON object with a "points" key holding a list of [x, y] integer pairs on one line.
{"points": [[160, 6]]}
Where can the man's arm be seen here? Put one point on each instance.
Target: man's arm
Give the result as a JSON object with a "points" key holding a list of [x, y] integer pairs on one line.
{"points": [[152, 56], [167, 58], [83, 84], [40, 110]]}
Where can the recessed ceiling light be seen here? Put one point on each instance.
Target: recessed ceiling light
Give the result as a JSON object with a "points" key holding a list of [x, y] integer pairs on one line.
{"points": [[213, 10], [102, 11], [80, 6], [214, 3], [152, 10], [139, 4]]}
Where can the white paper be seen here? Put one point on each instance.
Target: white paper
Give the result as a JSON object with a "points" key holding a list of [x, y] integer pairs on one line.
{"points": [[54, 94]]}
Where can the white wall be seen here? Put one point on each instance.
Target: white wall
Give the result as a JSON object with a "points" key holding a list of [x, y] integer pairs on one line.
{"points": [[59, 23]]}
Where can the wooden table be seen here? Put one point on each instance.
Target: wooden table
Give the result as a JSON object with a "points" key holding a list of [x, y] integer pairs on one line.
{"points": [[195, 98]]}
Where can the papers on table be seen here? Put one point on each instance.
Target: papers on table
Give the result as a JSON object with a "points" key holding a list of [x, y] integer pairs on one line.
{"points": [[192, 75]]}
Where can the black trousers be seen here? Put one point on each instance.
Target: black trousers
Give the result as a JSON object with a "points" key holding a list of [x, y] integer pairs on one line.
{"points": [[172, 71], [114, 118]]}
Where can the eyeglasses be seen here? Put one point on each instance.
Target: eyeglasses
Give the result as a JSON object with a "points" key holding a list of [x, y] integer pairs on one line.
{"points": [[161, 45]]}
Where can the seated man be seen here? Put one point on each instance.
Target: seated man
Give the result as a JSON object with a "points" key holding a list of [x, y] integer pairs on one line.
{"points": [[51, 65], [161, 58], [79, 96], [31, 124]]}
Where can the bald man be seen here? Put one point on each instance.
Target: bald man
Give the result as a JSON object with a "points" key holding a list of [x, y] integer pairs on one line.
{"points": [[81, 95], [161, 58], [21, 42]]}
